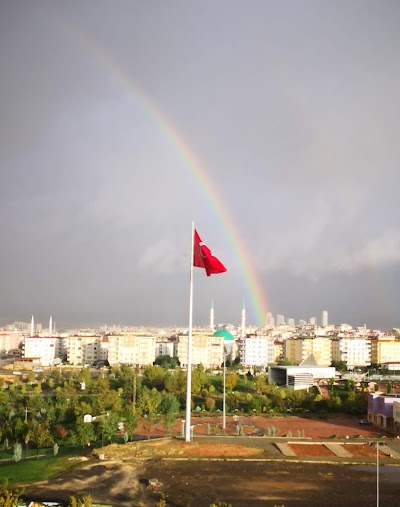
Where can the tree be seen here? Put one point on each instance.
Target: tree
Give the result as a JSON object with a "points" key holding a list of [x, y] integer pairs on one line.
{"points": [[154, 376], [107, 426], [231, 381], [17, 455], [169, 407], [199, 378], [339, 365], [84, 432], [10, 497], [261, 383], [41, 434], [176, 382], [166, 362], [130, 424], [60, 432], [210, 404], [149, 401], [85, 501]]}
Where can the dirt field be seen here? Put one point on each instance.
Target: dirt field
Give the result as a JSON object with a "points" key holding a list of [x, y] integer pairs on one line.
{"points": [[310, 427], [245, 471]]}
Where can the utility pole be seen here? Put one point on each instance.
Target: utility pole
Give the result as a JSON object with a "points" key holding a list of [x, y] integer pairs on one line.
{"points": [[134, 393]]}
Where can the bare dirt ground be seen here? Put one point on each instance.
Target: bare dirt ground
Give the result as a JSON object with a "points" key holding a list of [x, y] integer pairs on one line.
{"points": [[245, 471]]}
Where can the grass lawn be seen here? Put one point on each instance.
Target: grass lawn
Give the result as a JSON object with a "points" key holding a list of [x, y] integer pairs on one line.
{"points": [[36, 469]]}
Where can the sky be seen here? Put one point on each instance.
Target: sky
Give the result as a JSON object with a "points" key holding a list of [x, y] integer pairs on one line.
{"points": [[273, 126]]}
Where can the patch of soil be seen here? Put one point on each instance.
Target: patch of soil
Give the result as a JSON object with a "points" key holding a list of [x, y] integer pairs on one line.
{"points": [[177, 448], [311, 450]]}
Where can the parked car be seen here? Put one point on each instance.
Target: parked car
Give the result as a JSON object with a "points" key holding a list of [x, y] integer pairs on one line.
{"points": [[365, 422]]}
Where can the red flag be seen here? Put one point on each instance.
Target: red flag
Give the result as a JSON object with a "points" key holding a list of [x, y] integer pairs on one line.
{"points": [[203, 258]]}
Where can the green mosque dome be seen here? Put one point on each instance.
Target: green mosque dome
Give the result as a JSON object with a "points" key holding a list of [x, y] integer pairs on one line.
{"points": [[227, 336]]}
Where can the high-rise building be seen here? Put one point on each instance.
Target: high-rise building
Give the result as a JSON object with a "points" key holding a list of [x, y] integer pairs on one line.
{"points": [[324, 318], [313, 321], [268, 318], [290, 322], [280, 320], [302, 323]]}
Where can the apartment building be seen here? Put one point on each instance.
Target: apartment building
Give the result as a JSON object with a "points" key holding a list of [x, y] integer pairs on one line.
{"points": [[297, 350], [83, 349], [207, 350], [131, 348], [10, 340], [44, 348], [256, 351], [354, 351], [164, 347], [385, 349]]}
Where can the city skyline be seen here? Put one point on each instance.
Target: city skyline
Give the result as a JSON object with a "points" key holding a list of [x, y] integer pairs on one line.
{"points": [[272, 127]]}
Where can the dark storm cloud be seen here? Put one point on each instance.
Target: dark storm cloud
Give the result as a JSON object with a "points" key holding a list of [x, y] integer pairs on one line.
{"points": [[290, 108]]}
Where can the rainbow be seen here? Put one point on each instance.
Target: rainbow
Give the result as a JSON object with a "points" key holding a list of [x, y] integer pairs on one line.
{"points": [[253, 288]]}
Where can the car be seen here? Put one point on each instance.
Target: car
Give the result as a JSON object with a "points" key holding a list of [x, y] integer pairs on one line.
{"points": [[365, 422]]}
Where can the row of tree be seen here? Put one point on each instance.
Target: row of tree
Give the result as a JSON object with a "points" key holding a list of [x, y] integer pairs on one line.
{"points": [[51, 408]]}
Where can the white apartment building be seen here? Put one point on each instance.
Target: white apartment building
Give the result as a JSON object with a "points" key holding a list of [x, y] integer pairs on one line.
{"points": [[164, 347], [83, 349], [256, 351], [44, 348], [131, 348], [207, 350], [354, 351]]}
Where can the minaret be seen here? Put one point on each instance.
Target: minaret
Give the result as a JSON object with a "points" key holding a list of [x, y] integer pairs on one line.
{"points": [[32, 326], [212, 327], [243, 333], [51, 326]]}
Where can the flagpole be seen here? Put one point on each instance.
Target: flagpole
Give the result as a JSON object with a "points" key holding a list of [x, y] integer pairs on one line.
{"points": [[189, 352]]}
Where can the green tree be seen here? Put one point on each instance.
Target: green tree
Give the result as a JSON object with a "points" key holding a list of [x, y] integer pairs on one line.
{"points": [[85, 501], [149, 401], [231, 380], [339, 365], [155, 376], [166, 362], [10, 497], [210, 404], [176, 382], [107, 426], [199, 378], [260, 382], [83, 433], [169, 407], [41, 434]]}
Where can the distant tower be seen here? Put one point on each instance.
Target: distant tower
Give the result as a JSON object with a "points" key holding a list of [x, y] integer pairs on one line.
{"points": [[268, 318], [32, 326], [280, 320], [51, 326], [324, 318], [212, 327], [243, 332]]}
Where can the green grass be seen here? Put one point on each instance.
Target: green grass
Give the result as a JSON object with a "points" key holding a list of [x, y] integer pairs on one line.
{"points": [[36, 469]]}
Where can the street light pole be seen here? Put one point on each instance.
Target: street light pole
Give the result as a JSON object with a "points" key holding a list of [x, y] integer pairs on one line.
{"points": [[377, 474], [224, 397]]}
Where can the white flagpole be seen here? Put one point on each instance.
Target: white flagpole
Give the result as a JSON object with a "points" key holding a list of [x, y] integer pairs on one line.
{"points": [[189, 353]]}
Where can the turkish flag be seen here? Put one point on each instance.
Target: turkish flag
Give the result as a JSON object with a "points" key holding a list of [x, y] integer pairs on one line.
{"points": [[203, 258]]}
